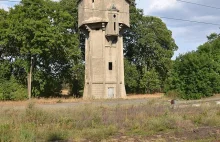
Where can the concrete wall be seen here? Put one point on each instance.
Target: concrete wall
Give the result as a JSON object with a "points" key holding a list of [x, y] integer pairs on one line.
{"points": [[103, 26], [98, 77], [98, 11]]}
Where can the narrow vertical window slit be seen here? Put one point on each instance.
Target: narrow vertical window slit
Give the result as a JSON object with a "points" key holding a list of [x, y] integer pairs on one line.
{"points": [[110, 66]]}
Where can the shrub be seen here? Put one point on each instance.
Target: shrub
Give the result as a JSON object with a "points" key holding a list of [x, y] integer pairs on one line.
{"points": [[12, 90], [196, 74], [193, 76]]}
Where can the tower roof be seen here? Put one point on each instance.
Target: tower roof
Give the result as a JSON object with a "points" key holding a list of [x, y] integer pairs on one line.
{"points": [[129, 1]]}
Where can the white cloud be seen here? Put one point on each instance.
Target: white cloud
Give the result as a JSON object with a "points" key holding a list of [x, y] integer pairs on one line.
{"points": [[205, 18], [4, 6], [179, 31], [188, 35], [162, 5]]}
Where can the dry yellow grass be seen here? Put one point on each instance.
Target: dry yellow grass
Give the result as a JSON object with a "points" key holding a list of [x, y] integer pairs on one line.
{"points": [[40, 101], [145, 96], [71, 99], [95, 123]]}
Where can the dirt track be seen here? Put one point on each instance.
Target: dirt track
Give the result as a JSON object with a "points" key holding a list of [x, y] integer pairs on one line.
{"points": [[131, 100]]}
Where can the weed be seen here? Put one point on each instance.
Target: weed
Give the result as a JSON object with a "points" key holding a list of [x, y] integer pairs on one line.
{"points": [[95, 123], [59, 101]]}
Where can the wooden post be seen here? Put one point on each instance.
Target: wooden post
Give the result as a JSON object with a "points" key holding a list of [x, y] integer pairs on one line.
{"points": [[30, 79]]}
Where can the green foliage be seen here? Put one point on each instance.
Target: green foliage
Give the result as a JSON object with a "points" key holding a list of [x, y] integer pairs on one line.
{"points": [[149, 46], [5, 134], [131, 77], [45, 85], [12, 90], [10, 87], [196, 74], [77, 80], [5, 69], [150, 81], [45, 33]]}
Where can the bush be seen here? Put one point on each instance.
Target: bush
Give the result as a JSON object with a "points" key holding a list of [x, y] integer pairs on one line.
{"points": [[12, 90], [196, 74], [173, 94], [150, 82], [131, 77]]}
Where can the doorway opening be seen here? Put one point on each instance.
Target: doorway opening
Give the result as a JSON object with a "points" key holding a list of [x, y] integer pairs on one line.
{"points": [[110, 92]]}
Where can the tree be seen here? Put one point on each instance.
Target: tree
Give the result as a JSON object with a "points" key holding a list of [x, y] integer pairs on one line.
{"points": [[150, 81], [40, 37], [131, 77], [75, 75], [197, 74], [150, 46]]}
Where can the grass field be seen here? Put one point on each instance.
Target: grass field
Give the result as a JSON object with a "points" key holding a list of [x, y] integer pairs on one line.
{"points": [[153, 121]]}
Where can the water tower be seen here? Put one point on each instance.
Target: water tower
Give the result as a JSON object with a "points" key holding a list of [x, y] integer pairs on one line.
{"points": [[103, 23]]}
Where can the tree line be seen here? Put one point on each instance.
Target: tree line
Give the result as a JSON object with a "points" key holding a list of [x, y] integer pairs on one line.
{"points": [[40, 39], [196, 74]]}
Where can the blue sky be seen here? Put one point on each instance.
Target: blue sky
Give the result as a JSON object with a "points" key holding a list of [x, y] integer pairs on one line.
{"points": [[5, 5], [188, 36]]}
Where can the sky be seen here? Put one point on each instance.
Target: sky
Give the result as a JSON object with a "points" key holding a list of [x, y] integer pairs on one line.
{"points": [[187, 35]]}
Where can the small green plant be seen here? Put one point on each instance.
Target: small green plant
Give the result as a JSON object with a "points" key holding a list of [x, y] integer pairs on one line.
{"points": [[12, 90], [5, 134], [173, 94], [59, 101]]}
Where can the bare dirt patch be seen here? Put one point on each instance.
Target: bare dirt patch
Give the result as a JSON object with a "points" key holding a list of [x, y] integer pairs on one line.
{"points": [[204, 134], [40, 101], [72, 99], [145, 96]]}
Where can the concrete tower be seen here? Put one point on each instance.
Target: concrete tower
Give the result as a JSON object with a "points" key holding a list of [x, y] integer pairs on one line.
{"points": [[103, 22]]}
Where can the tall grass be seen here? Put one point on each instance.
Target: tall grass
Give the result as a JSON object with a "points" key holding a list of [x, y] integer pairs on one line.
{"points": [[96, 123]]}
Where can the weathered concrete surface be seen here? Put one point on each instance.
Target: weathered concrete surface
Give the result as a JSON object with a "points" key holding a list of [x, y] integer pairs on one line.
{"points": [[103, 22], [97, 11]]}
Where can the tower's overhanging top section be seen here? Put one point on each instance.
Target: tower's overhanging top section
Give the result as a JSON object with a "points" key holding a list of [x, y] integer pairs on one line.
{"points": [[126, 0], [97, 11]]}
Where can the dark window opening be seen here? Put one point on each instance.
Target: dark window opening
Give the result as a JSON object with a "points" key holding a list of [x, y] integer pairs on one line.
{"points": [[93, 1], [114, 40], [110, 65], [114, 26], [114, 16]]}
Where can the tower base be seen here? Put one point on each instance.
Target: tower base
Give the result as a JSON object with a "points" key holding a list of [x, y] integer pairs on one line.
{"points": [[104, 91]]}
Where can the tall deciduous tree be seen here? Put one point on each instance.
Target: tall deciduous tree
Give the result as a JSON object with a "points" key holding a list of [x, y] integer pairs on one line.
{"points": [[75, 74], [150, 46], [40, 36]]}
